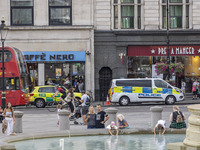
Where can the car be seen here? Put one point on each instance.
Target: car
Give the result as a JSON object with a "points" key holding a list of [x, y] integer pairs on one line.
{"points": [[41, 95]]}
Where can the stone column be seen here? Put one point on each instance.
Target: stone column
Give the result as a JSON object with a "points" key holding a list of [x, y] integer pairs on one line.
{"points": [[41, 74], [64, 120], [156, 114], [112, 115], [18, 122], [193, 130]]}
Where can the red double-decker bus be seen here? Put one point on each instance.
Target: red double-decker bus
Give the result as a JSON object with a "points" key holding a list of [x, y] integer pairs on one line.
{"points": [[16, 77]]}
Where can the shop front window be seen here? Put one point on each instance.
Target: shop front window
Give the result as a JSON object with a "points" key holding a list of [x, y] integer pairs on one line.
{"points": [[57, 72], [139, 67]]}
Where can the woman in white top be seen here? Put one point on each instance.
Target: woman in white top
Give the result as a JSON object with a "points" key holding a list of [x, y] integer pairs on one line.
{"points": [[8, 113]]}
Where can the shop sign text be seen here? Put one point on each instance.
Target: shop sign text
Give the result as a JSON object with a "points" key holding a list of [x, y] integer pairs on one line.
{"points": [[51, 57], [55, 56], [177, 51]]}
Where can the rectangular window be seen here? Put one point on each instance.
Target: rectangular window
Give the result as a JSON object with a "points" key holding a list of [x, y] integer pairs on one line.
{"points": [[187, 16], [134, 83], [175, 1], [10, 84], [115, 17], [139, 17], [160, 84], [127, 17], [21, 12], [175, 14], [127, 1], [60, 12]]}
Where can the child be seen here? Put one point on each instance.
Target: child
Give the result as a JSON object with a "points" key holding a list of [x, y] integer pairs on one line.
{"points": [[59, 107], [122, 123], [160, 125], [112, 126]]}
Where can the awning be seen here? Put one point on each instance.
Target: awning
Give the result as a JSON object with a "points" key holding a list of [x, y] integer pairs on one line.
{"points": [[162, 51]]}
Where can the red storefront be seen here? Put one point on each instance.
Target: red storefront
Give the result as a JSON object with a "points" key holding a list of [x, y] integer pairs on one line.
{"points": [[141, 59]]}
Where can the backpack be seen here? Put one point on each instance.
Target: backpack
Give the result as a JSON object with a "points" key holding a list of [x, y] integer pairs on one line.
{"points": [[179, 118], [87, 102]]}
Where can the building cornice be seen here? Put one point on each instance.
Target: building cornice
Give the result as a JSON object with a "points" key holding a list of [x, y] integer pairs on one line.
{"points": [[75, 27]]}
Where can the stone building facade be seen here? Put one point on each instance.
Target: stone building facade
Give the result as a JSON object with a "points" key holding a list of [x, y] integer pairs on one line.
{"points": [[130, 34], [53, 27]]}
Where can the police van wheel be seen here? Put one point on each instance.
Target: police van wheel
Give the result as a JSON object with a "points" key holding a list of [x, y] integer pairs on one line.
{"points": [[39, 103], [170, 100], [124, 101]]}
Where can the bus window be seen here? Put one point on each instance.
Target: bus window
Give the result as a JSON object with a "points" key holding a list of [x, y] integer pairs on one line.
{"points": [[17, 84], [7, 56]]}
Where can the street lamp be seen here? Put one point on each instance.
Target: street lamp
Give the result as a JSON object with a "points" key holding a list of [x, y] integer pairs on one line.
{"points": [[168, 57], [3, 32]]}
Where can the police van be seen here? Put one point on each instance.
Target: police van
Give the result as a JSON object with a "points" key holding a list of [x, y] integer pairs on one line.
{"points": [[125, 91]]}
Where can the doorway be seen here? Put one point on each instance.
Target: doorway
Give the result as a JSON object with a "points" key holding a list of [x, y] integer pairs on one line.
{"points": [[105, 77]]}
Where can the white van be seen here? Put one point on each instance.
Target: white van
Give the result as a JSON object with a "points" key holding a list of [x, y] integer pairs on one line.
{"points": [[125, 91]]}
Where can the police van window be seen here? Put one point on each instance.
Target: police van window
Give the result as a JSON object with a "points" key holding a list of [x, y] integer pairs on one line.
{"points": [[142, 83], [124, 82], [160, 84], [134, 83]]}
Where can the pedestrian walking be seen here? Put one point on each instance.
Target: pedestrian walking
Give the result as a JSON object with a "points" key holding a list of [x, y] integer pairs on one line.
{"points": [[10, 118], [111, 127], [70, 101], [84, 99], [101, 117], [122, 123], [183, 85], [161, 125], [67, 83], [177, 118], [76, 87], [81, 86], [91, 118], [195, 89]]}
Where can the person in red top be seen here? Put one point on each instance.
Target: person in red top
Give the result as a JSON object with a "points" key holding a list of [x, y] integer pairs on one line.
{"points": [[60, 90]]}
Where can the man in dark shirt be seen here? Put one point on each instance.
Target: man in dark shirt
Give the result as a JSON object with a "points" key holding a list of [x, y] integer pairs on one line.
{"points": [[101, 117]]}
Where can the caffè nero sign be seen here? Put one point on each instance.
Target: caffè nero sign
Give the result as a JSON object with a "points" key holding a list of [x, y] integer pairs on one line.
{"points": [[54, 56]]}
